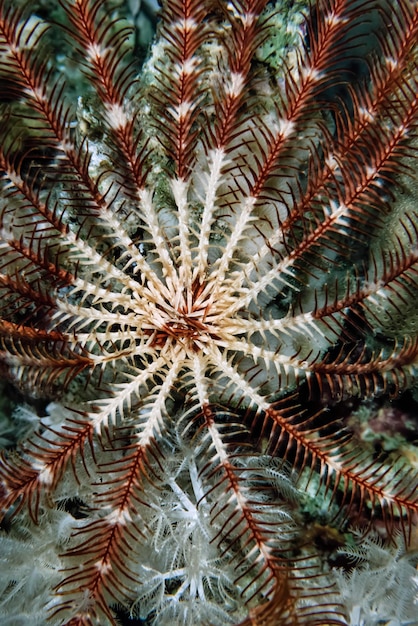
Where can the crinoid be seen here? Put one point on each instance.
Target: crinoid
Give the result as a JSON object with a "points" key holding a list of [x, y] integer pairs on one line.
{"points": [[200, 279]]}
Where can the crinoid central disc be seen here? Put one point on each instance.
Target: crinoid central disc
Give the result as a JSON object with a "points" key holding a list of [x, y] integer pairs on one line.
{"points": [[184, 320]]}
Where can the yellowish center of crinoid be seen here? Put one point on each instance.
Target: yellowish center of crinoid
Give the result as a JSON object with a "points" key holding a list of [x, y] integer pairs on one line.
{"points": [[189, 319]]}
